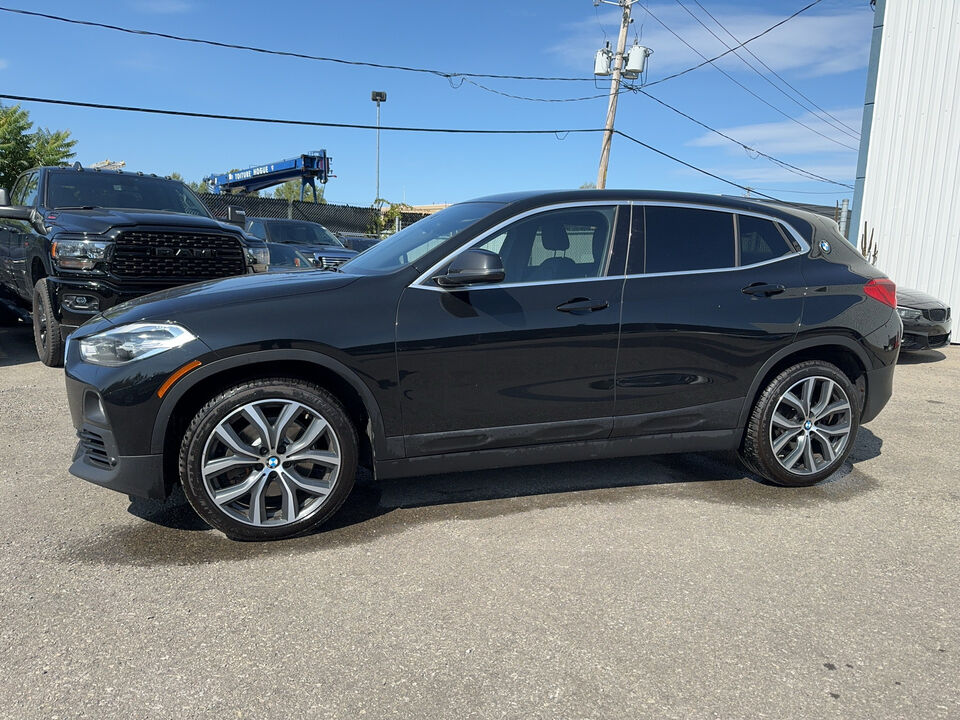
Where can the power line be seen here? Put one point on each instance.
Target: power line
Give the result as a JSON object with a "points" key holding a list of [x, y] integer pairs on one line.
{"points": [[693, 167], [535, 99], [782, 163], [745, 88], [284, 53], [840, 127], [775, 73], [358, 126], [709, 61]]}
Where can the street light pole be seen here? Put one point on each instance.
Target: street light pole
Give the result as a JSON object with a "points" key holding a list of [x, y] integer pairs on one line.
{"points": [[378, 96], [614, 92]]}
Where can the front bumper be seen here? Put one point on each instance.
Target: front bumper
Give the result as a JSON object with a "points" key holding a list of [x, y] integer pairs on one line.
{"points": [[100, 296]]}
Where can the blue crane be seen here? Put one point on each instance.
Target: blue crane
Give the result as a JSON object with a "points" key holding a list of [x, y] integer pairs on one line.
{"points": [[309, 167]]}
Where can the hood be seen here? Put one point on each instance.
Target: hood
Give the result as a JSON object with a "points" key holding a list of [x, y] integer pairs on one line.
{"points": [[175, 302], [100, 220], [917, 299]]}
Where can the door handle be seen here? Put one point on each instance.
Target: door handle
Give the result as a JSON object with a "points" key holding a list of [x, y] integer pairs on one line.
{"points": [[759, 289], [582, 306]]}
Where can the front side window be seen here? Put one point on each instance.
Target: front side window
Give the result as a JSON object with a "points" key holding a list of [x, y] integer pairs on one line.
{"points": [[678, 239], [25, 191], [555, 245], [256, 229]]}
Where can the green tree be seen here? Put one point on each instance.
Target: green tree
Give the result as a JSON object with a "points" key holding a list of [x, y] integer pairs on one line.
{"points": [[198, 186], [588, 186], [290, 190], [22, 148]]}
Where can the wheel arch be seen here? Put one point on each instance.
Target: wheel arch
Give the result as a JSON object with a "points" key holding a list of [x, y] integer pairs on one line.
{"points": [[190, 393], [841, 351]]}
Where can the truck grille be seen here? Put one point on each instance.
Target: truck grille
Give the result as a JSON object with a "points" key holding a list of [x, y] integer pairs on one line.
{"points": [[159, 254], [94, 448], [328, 263]]}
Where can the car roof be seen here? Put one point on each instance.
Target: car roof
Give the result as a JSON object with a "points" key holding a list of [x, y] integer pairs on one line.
{"points": [[546, 197]]}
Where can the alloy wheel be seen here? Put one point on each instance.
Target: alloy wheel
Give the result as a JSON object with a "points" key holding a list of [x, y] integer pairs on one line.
{"points": [[810, 426], [271, 462]]}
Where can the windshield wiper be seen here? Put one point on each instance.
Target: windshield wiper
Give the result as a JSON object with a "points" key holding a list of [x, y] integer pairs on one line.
{"points": [[78, 207]]}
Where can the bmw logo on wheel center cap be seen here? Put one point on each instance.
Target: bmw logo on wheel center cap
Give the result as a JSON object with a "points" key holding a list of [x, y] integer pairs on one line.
{"points": [[273, 461], [806, 426]]}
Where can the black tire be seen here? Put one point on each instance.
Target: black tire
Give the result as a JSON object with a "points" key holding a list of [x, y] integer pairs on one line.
{"points": [[227, 404], [46, 328], [757, 448]]}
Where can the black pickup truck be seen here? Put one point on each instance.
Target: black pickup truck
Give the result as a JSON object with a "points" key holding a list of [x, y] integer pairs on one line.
{"points": [[76, 241]]}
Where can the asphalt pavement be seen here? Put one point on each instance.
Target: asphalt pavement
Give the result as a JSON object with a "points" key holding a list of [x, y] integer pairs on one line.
{"points": [[659, 587]]}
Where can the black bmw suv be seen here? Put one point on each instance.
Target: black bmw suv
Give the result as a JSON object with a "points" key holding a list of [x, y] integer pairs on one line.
{"points": [[514, 329]]}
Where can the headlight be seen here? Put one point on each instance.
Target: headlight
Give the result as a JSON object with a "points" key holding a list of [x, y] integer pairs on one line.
{"points": [[908, 313], [132, 342], [259, 255], [79, 254]]}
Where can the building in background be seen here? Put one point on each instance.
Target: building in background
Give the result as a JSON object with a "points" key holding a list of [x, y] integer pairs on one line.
{"points": [[908, 174]]}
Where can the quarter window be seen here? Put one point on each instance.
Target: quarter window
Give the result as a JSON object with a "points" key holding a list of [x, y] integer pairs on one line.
{"points": [[678, 239], [557, 245], [25, 193], [760, 240]]}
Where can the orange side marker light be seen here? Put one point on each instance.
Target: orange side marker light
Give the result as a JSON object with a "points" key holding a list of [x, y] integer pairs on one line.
{"points": [[177, 374]]}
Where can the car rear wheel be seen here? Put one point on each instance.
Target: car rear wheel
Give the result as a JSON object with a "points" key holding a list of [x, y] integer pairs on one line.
{"points": [[269, 459], [46, 327], [803, 425]]}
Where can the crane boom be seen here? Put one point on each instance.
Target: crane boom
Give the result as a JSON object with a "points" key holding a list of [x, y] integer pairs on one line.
{"points": [[309, 167]]}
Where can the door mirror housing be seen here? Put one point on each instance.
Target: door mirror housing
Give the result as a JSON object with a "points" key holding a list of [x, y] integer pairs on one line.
{"points": [[4, 197], [16, 212], [473, 266], [236, 216]]}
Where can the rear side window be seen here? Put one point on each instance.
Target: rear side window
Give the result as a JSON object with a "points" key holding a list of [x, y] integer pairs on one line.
{"points": [[678, 239], [760, 240]]}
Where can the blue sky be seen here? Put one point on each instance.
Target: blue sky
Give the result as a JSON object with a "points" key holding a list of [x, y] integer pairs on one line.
{"points": [[822, 52]]}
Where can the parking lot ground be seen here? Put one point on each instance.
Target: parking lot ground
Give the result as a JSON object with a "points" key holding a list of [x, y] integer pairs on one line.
{"points": [[660, 587]]}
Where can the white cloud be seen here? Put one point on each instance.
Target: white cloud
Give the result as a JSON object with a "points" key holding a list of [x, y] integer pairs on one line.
{"points": [[810, 44], [767, 173], [786, 137], [163, 7]]}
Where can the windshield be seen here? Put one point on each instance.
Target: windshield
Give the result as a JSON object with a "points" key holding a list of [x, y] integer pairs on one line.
{"points": [[75, 189], [284, 256], [414, 241], [301, 233]]}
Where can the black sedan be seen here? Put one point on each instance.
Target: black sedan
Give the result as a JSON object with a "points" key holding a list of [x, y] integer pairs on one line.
{"points": [[514, 329], [926, 320], [310, 238]]}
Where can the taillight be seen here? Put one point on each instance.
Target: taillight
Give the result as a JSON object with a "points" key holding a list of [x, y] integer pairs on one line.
{"points": [[882, 289]]}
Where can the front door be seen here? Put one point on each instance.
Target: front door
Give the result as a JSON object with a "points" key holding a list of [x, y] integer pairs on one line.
{"points": [[528, 360]]}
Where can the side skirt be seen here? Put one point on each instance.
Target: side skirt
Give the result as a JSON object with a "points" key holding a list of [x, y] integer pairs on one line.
{"points": [[703, 441]]}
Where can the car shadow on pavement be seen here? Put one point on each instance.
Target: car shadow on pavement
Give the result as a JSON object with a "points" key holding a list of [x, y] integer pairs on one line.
{"points": [[920, 357], [170, 533], [16, 342]]}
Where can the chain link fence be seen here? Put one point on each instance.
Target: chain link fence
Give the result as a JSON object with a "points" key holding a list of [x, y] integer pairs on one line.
{"points": [[337, 218]]}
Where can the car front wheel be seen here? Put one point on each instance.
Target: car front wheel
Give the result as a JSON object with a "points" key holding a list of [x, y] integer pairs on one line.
{"points": [[269, 459], [803, 425], [46, 327]]}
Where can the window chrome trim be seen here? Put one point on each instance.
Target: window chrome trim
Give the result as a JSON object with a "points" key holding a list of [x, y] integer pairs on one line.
{"points": [[422, 281], [426, 277]]}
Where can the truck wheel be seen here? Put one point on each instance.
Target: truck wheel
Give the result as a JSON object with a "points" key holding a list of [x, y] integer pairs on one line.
{"points": [[803, 426], [46, 327], [269, 459]]}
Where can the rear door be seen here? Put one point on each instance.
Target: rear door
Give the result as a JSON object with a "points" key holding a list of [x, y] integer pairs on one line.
{"points": [[710, 295], [531, 359]]}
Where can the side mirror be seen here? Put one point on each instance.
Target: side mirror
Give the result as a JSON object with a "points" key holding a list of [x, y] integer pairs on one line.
{"points": [[4, 197], [236, 216], [16, 212], [473, 266]]}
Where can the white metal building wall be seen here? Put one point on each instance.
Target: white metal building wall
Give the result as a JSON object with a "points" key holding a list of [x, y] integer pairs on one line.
{"points": [[911, 188]]}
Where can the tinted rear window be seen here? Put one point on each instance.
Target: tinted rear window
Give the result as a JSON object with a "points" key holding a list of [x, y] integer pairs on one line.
{"points": [[678, 239]]}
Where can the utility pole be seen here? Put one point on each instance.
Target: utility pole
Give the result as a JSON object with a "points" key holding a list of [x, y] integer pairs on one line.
{"points": [[614, 89]]}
